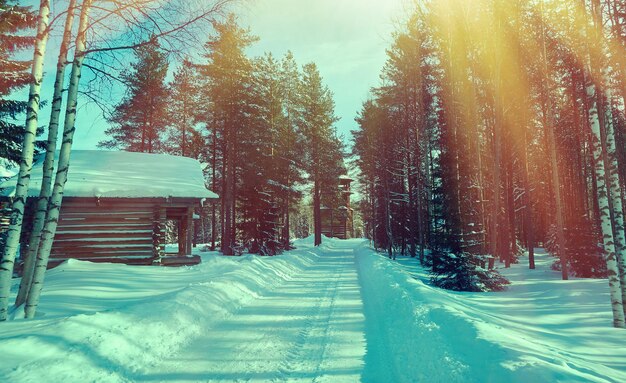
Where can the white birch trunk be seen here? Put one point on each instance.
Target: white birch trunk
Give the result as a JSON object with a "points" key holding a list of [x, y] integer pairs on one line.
{"points": [[26, 162], [48, 164], [610, 228], [616, 197], [605, 216], [54, 205]]}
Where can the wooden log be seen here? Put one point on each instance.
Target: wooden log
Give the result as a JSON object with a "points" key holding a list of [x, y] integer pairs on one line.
{"points": [[89, 255], [105, 242], [181, 223], [109, 235], [104, 220], [180, 261], [189, 233], [129, 261], [104, 227], [158, 234], [104, 214], [106, 209]]}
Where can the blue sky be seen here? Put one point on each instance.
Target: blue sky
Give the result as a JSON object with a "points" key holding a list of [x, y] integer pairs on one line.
{"points": [[345, 38]]}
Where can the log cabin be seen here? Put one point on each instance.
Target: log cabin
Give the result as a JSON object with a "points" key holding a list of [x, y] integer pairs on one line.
{"points": [[116, 206], [337, 222]]}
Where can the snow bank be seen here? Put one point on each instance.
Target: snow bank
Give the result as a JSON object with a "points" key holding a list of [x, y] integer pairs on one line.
{"points": [[531, 333], [112, 174], [110, 322], [118, 323]]}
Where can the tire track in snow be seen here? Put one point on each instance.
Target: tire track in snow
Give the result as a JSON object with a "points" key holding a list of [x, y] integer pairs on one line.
{"points": [[296, 332], [317, 321]]}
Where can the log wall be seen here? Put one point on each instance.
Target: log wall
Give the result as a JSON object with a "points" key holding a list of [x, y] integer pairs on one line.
{"points": [[111, 231]]}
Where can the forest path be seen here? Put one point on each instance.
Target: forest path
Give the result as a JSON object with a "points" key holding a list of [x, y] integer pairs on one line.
{"points": [[309, 329]]}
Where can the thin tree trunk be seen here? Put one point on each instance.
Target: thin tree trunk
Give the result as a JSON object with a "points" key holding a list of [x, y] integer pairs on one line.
{"points": [[317, 213], [54, 206], [26, 162], [227, 231], [549, 126], [560, 234], [413, 231], [388, 227], [214, 186], [287, 229], [495, 204], [48, 164], [528, 211], [510, 209]]}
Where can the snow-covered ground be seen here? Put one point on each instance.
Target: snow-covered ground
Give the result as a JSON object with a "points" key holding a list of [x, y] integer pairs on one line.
{"points": [[339, 313]]}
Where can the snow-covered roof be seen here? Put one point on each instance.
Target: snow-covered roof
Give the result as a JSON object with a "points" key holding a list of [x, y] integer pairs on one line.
{"points": [[111, 174], [346, 177]]}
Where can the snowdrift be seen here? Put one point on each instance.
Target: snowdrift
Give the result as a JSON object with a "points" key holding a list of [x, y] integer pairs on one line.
{"points": [[111, 322], [118, 323], [540, 330]]}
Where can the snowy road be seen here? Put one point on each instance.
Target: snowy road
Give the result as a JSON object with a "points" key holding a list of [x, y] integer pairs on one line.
{"points": [[335, 313], [310, 328]]}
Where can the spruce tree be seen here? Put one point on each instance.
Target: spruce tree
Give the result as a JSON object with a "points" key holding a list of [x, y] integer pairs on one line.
{"points": [[289, 143], [140, 119], [14, 74], [228, 76], [183, 109], [317, 119]]}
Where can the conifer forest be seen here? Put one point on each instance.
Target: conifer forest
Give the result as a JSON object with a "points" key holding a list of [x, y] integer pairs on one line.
{"points": [[333, 185]]}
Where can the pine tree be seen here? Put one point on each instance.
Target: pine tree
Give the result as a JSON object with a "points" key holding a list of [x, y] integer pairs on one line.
{"points": [[317, 118], [228, 75], [289, 144], [258, 192], [183, 111], [140, 119]]}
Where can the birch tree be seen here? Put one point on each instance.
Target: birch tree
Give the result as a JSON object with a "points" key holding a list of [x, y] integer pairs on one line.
{"points": [[48, 163], [26, 162], [54, 205], [601, 121]]}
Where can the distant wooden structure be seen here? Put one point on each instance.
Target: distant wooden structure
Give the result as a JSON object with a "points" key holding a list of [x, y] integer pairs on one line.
{"points": [[338, 222], [116, 205]]}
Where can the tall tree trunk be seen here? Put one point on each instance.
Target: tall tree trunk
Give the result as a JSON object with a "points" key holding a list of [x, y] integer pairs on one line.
{"points": [[48, 164], [495, 204], [26, 162], [287, 228], [413, 230], [229, 176], [616, 198], [605, 217], [596, 117], [54, 206], [556, 186], [317, 212], [528, 211], [607, 134], [549, 126], [214, 187], [510, 208], [388, 223]]}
